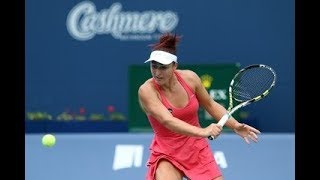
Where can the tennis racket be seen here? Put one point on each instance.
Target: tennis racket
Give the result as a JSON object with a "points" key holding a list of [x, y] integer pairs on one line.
{"points": [[249, 85]]}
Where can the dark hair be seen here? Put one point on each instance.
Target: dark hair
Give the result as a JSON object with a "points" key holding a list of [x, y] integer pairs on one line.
{"points": [[168, 43]]}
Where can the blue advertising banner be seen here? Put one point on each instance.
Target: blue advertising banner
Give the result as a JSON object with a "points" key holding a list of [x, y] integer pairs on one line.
{"points": [[120, 156], [77, 52]]}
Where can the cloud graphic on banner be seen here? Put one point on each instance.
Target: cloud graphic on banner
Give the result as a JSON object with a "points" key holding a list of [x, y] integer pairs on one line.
{"points": [[127, 156]]}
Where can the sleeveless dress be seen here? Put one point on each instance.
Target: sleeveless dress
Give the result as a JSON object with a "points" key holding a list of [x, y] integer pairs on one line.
{"points": [[191, 155]]}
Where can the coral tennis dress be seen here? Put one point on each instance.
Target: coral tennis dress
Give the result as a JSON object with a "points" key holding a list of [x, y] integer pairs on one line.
{"points": [[192, 155]]}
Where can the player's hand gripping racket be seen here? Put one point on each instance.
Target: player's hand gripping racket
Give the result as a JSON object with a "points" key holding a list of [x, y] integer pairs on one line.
{"points": [[249, 85]]}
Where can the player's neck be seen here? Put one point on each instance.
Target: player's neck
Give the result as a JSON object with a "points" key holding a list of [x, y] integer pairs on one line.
{"points": [[171, 84]]}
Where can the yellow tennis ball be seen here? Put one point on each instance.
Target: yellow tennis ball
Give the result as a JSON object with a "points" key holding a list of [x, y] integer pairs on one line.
{"points": [[48, 140]]}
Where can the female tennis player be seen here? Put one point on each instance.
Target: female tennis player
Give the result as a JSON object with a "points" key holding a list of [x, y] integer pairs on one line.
{"points": [[170, 99]]}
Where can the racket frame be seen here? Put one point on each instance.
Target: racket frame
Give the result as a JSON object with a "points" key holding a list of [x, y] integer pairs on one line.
{"points": [[232, 109]]}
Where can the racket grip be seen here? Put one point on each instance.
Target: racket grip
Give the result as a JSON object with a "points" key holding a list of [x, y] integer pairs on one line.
{"points": [[221, 122]]}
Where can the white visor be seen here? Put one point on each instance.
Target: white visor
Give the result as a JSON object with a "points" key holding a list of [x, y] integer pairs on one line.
{"points": [[162, 57]]}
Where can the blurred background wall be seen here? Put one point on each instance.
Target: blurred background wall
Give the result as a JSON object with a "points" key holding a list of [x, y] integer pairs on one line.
{"points": [[78, 53]]}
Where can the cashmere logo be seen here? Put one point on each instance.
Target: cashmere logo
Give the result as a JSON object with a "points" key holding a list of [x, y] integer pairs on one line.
{"points": [[84, 21]]}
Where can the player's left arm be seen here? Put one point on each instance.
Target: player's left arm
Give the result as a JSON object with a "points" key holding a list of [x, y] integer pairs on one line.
{"points": [[215, 109]]}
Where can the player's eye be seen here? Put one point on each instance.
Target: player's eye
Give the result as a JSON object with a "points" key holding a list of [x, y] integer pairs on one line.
{"points": [[161, 67]]}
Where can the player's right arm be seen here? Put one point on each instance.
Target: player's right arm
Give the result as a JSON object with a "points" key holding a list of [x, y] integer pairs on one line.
{"points": [[151, 104]]}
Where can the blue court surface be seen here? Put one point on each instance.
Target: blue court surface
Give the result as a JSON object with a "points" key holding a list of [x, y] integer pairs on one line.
{"points": [[101, 156]]}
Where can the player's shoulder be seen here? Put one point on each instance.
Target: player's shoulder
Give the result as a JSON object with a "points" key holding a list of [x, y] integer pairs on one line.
{"points": [[187, 74], [146, 86], [191, 78]]}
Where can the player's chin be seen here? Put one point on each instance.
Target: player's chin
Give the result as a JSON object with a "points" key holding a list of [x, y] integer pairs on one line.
{"points": [[159, 81]]}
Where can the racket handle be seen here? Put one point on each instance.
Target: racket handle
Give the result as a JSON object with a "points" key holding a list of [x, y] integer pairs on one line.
{"points": [[221, 122]]}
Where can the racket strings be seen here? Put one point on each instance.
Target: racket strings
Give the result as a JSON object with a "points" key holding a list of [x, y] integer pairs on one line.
{"points": [[252, 83]]}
